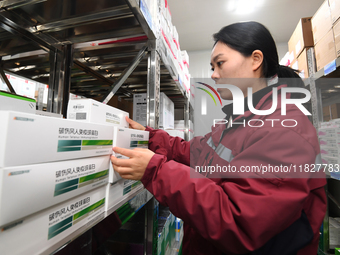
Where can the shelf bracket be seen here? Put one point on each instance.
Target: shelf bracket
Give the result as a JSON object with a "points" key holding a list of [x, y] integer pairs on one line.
{"points": [[125, 74]]}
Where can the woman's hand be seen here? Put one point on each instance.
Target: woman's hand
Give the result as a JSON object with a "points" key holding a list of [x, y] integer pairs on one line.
{"points": [[134, 125], [134, 167]]}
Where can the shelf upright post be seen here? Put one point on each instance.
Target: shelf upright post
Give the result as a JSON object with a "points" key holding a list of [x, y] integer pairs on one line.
{"points": [[316, 99], [186, 119], [55, 86], [60, 79], [153, 101]]}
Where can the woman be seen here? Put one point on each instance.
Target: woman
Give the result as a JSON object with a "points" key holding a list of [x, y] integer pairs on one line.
{"points": [[237, 213]]}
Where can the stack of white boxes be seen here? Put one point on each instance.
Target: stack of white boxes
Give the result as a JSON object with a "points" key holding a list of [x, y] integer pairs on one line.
{"points": [[11, 102], [53, 174], [329, 138], [166, 111], [171, 39], [179, 125], [92, 111]]}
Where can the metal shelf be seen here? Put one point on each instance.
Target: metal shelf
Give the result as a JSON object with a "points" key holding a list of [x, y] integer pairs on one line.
{"points": [[105, 37], [82, 47]]}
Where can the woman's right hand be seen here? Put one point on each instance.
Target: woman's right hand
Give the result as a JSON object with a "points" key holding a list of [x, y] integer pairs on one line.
{"points": [[134, 125]]}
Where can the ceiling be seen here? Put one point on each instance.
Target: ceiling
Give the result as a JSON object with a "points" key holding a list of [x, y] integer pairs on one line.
{"points": [[197, 20]]}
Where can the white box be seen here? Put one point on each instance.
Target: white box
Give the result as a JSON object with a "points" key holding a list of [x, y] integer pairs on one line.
{"points": [[185, 57], [49, 114], [129, 139], [175, 133], [32, 188], [139, 108], [89, 110], [329, 152], [166, 111], [31, 139], [11, 102], [40, 232], [117, 192]]}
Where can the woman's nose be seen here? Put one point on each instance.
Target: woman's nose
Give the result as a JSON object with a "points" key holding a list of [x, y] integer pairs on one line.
{"points": [[215, 76]]}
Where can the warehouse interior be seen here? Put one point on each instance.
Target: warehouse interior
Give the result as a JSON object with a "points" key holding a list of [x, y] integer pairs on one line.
{"points": [[142, 59]]}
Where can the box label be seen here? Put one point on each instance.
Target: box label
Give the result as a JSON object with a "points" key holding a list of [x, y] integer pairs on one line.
{"points": [[72, 214]]}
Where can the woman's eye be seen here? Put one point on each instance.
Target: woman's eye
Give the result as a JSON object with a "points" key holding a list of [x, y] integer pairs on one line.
{"points": [[219, 63]]}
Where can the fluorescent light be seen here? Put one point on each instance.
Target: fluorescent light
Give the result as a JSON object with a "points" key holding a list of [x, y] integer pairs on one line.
{"points": [[244, 6], [337, 86]]}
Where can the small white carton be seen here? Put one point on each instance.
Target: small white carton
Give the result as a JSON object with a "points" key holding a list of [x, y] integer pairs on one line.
{"points": [[31, 139], [11, 102], [166, 111], [119, 191], [127, 138], [89, 110], [41, 232], [31, 188]]}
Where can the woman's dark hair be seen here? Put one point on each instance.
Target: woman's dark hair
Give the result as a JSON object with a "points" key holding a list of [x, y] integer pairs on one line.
{"points": [[245, 37]]}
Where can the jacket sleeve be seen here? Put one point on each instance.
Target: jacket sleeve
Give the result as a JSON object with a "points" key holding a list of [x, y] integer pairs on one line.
{"points": [[175, 148], [242, 214]]}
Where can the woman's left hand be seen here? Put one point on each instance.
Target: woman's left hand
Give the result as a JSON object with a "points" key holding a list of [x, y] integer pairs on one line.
{"points": [[134, 167]]}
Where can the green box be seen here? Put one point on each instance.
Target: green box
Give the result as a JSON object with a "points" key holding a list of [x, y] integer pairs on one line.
{"points": [[337, 251]]}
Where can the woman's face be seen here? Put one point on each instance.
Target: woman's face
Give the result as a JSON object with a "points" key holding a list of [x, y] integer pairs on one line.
{"points": [[227, 63]]}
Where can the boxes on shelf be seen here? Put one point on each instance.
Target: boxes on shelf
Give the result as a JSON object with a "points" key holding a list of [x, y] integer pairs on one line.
{"points": [[129, 139], [49, 114], [31, 188], [43, 230], [175, 133], [185, 58], [301, 38], [117, 192], [321, 22], [336, 32], [302, 64], [89, 110], [334, 6], [179, 228], [179, 125], [325, 50], [166, 111], [12, 102], [42, 139]]}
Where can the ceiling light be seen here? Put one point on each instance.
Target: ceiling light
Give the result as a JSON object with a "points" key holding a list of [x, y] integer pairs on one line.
{"points": [[244, 6], [337, 86], [331, 90]]}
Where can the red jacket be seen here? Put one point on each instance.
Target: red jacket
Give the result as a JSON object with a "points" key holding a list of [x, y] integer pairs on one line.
{"points": [[242, 213]]}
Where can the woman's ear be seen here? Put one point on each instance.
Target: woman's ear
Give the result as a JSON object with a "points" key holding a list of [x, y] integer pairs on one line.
{"points": [[257, 57]]}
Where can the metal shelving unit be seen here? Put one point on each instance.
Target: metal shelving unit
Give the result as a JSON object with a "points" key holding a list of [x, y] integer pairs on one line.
{"points": [[324, 86], [96, 49]]}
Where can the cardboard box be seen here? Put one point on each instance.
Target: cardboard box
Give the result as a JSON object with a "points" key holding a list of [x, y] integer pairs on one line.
{"points": [[321, 22], [89, 110], [31, 139], [335, 111], [302, 37], [326, 113], [334, 6], [11, 102], [119, 191], [303, 64], [37, 233], [32, 188], [129, 139], [336, 32], [166, 111], [325, 50]]}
